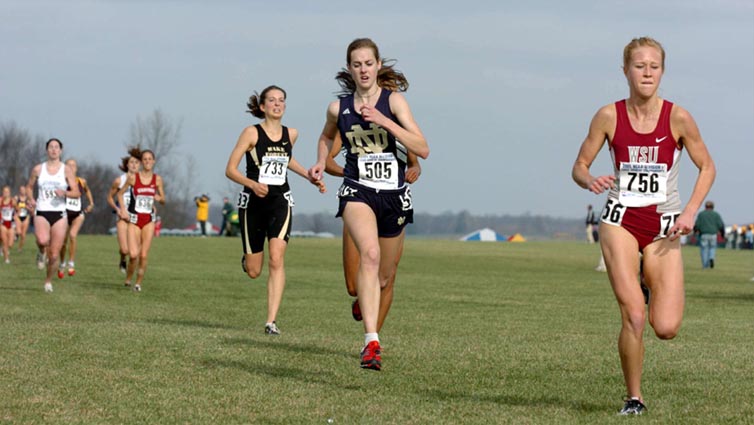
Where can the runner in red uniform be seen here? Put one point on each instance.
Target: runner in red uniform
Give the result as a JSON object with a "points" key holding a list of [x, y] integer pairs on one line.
{"points": [[7, 211], [643, 213], [146, 188]]}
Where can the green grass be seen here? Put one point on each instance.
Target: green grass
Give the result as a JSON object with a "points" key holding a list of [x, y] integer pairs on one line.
{"points": [[479, 333]]}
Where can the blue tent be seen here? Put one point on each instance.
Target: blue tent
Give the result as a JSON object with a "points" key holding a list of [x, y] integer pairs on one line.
{"points": [[484, 235]]}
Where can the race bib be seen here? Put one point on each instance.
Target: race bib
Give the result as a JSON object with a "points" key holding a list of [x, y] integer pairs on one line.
{"points": [[73, 204], [144, 204], [127, 197], [378, 170], [273, 170], [7, 214], [667, 221], [613, 212], [642, 184], [243, 200]]}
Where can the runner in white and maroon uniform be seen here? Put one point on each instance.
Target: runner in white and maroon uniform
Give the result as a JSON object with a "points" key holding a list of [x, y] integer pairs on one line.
{"points": [[643, 213]]}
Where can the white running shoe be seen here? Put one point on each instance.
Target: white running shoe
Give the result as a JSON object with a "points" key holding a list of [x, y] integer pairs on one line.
{"points": [[48, 287], [137, 288]]}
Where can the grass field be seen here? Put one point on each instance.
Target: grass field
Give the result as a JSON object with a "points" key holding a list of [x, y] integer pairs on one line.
{"points": [[479, 333]]}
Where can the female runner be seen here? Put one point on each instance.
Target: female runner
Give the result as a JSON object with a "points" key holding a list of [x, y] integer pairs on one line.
{"points": [[7, 212], [23, 212], [146, 188], [375, 202], [129, 165], [265, 203], [55, 182], [643, 214], [75, 221]]}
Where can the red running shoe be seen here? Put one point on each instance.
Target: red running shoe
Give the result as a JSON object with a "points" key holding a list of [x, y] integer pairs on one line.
{"points": [[370, 356], [356, 310]]}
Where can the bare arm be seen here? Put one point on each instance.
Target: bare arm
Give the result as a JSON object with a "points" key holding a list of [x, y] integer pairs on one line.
{"points": [[325, 142], [600, 129], [70, 178], [246, 141], [30, 186], [331, 167], [113, 193], [688, 134], [123, 210], [406, 130], [160, 195], [88, 193]]}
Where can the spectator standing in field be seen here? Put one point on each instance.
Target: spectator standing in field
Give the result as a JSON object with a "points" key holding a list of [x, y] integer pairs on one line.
{"points": [[591, 220], [643, 213], [202, 213], [708, 226], [226, 212], [378, 129]]}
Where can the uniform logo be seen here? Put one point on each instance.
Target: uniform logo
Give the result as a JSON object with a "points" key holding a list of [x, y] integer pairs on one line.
{"points": [[346, 191], [373, 140], [346, 112], [660, 139], [401, 220]]}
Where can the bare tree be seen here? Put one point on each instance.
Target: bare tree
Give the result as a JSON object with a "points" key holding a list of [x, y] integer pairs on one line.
{"points": [[98, 178], [19, 152], [162, 134]]}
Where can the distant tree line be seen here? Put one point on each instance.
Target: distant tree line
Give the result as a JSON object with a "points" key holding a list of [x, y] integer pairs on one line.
{"points": [[20, 150], [456, 224]]}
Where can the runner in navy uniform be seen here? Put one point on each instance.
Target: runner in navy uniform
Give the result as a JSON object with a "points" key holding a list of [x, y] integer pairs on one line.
{"points": [[375, 202], [643, 213], [265, 203]]}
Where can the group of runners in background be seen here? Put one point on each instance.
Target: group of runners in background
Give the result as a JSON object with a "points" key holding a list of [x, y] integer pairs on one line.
{"points": [[372, 125]]}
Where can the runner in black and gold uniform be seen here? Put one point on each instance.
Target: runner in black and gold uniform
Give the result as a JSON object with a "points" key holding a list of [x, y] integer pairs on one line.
{"points": [[265, 203]]}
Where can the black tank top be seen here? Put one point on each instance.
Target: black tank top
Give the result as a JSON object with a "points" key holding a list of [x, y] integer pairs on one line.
{"points": [[269, 148]]}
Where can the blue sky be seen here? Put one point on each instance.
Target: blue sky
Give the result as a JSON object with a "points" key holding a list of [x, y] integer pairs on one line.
{"points": [[504, 91]]}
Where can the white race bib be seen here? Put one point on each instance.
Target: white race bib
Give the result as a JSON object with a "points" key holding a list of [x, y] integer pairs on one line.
{"points": [[73, 204], [7, 213], [144, 204], [378, 170], [273, 170], [642, 184]]}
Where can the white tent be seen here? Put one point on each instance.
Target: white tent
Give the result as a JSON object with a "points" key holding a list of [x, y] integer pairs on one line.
{"points": [[484, 235]]}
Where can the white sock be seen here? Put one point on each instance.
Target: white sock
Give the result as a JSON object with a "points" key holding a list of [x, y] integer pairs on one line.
{"points": [[371, 336]]}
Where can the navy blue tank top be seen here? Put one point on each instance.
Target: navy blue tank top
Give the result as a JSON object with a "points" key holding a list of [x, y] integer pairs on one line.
{"points": [[374, 157]]}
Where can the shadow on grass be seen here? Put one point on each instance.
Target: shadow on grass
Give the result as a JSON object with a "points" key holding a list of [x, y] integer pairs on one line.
{"points": [[742, 297], [274, 343], [306, 376], [23, 288], [191, 324], [511, 400]]}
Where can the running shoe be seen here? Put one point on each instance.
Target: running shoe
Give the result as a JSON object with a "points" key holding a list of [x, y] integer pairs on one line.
{"points": [[370, 356], [71, 268], [137, 288], [356, 310], [40, 261], [243, 264], [122, 266], [61, 270], [633, 406], [7, 261], [271, 329], [127, 284], [48, 287]]}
